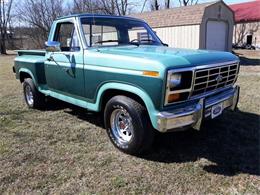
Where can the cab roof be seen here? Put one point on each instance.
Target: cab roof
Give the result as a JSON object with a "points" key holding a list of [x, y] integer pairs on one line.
{"points": [[98, 15]]}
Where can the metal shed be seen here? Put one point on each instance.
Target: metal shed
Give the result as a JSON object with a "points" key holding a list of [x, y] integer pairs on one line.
{"points": [[201, 26]]}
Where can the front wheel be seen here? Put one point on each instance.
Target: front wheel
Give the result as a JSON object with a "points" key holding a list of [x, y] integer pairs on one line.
{"points": [[33, 98], [128, 125]]}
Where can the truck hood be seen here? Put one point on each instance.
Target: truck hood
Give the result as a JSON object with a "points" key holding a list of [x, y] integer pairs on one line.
{"points": [[171, 57]]}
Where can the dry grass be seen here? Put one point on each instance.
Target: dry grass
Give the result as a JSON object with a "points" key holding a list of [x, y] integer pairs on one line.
{"points": [[64, 149]]}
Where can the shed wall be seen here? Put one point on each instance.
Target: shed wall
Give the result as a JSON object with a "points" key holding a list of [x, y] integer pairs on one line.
{"points": [[180, 36], [217, 12]]}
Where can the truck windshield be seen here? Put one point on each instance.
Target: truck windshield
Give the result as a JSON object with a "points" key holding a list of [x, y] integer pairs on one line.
{"points": [[100, 31]]}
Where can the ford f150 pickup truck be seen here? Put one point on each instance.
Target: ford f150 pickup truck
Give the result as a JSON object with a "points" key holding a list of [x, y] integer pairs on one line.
{"points": [[119, 66]]}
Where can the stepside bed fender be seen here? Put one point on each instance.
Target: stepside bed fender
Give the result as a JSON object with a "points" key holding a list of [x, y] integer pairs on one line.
{"points": [[27, 71]]}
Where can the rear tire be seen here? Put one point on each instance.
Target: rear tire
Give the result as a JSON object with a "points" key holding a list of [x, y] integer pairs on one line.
{"points": [[33, 98], [128, 125]]}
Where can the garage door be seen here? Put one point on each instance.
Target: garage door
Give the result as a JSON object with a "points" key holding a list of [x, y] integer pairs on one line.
{"points": [[216, 38]]}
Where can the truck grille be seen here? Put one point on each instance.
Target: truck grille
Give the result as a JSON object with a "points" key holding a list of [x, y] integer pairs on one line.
{"points": [[213, 78]]}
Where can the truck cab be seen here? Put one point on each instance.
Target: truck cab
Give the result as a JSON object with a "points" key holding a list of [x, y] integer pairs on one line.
{"points": [[119, 66]]}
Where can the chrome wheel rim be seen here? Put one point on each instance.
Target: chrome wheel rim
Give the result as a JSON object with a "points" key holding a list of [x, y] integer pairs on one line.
{"points": [[29, 95], [121, 125]]}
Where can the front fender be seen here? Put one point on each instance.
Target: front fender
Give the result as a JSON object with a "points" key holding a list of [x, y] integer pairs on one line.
{"points": [[132, 89]]}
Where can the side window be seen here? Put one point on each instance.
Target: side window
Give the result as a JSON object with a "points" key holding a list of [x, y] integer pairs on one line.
{"points": [[67, 36]]}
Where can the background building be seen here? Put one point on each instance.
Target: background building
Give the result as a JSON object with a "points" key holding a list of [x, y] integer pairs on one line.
{"points": [[201, 26], [247, 23]]}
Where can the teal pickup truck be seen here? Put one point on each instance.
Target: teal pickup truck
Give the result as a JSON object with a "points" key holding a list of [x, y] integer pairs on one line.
{"points": [[119, 66]]}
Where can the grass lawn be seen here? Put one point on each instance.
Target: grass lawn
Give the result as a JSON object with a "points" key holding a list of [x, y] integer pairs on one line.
{"points": [[65, 149]]}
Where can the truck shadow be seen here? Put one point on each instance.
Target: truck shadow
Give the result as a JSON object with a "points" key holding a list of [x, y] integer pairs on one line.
{"points": [[81, 113], [231, 143], [244, 61]]}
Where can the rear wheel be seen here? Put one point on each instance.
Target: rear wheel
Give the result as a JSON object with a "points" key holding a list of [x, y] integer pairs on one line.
{"points": [[33, 98], [128, 125]]}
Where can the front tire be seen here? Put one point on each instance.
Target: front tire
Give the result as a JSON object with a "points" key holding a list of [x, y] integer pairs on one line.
{"points": [[33, 98], [128, 125]]}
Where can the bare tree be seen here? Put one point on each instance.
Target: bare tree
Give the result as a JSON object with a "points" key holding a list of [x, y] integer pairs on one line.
{"points": [[88, 6], [116, 7], [122, 7], [143, 6], [39, 15], [108, 6], [111, 7], [167, 4], [5, 17], [155, 5], [188, 2]]}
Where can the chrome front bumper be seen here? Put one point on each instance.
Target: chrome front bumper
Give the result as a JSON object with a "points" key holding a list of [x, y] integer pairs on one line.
{"points": [[191, 116]]}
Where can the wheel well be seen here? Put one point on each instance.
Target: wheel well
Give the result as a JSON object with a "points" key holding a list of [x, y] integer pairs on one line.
{"points": [[24, 75], [107, 95]]}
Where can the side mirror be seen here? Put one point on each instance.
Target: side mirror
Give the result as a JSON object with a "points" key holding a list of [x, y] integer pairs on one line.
{"points": [[52, 46]]}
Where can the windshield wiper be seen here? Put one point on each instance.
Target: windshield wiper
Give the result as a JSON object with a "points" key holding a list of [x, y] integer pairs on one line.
{"points": [[107, 41], [148, 40], [111, 41], [138, 42], [134, 43]]}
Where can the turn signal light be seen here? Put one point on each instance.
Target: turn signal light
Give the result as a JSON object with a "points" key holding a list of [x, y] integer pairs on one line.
{"points": [[173, 97], [151, 73]]}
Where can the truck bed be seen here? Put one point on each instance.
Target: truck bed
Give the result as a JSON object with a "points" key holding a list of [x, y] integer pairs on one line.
{"points": [[32, 60]]}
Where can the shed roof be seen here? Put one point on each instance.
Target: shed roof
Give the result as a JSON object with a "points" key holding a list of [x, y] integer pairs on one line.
{"points": [[246, 12], [178, 16]]}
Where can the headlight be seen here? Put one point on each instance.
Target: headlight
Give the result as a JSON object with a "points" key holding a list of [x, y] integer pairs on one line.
{"points": [[174, 80], [178, 86]]}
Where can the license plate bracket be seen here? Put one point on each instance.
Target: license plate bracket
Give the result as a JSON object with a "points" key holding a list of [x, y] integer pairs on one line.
{"points": [[216, 110]]}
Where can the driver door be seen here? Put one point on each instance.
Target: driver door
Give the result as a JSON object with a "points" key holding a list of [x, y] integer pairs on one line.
{"points": [[64, 72]]}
